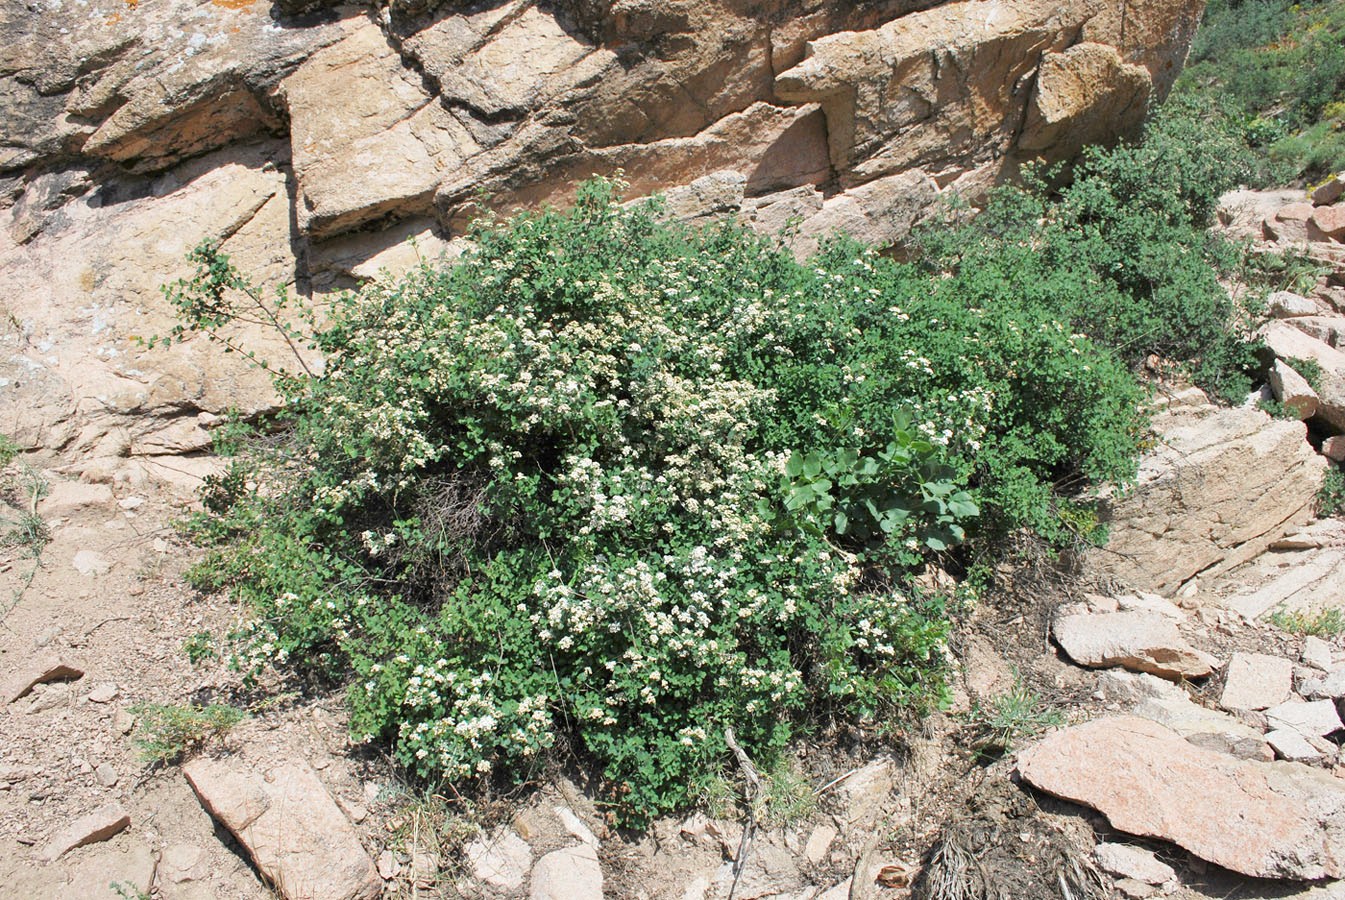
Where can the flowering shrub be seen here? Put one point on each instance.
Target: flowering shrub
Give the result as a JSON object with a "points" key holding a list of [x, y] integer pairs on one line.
{"points": [[618, 485]]}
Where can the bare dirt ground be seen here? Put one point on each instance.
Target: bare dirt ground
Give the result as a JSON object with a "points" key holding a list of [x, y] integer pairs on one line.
{"points": [[106, 595]]}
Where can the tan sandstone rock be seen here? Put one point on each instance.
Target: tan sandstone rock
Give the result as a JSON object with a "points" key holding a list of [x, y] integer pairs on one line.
{"points": [[365, 136], [1288, 305], [1292, 746], [1127, 861], [1329, 191], [1244, 212], [1288, 343], [1293, 390], [1257, 681], [1207, 728], [42, 671], [296, 835], [572, 873], [1139, 641], [1289, 224], [1220, 487], [1330, 330], [1327, 223], [500, 859], [1316, 718], [1083, 94], [99, 825], [1276, 820]]}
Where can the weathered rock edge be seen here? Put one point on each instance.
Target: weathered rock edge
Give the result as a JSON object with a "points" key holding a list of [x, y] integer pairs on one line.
{"points": [[1266, 820], [297, 836]]}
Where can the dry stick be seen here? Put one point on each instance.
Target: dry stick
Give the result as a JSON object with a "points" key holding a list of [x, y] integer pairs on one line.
{"points": [[753, 797], [818, 792], [861, 886]]}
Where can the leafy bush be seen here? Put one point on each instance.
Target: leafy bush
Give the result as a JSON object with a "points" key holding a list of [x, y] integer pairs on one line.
{"points": [[1121, 252], [1277, 68], [620, 485], [166, 733]]}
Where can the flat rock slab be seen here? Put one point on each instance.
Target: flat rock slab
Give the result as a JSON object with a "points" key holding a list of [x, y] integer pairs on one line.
{"points": [[1203, 727], [1142, 641], [1257, 681], [99, 825], [1306, 581], [1317, 653], [1329, 686], [68, 496], [1329, 191], [500, 860], [41, 672], [1292, 746], [1317, 718], [91, 562], [1288, 305], [1126, 861], [296, 835], [1265, 820], [569, 874], [1221, 485]]}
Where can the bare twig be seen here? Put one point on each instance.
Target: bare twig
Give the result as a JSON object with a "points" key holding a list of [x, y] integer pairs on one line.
{"points": [[754, 793], [818, 792]]}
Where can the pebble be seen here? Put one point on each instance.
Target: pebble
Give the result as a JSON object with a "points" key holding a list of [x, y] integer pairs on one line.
{"points": [[90, 563], [103, 693]]}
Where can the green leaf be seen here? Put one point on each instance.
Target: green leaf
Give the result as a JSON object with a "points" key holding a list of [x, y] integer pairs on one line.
{"points": [[812, 466], [962, 506]]}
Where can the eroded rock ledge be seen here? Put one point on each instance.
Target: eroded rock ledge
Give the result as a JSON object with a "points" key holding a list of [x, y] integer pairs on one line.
{"points": [[314, 141]]}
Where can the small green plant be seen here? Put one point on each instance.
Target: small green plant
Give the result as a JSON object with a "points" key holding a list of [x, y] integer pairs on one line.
{"points": [[1279, 270], [200, 647], [23, 487], [169, 732], [218, 298], [1310, 369], [902, 492], [29, 531], [9, 450], [717, 796], [788, 797], [1278, 410], [425, 824], [1331, 495], [127, 891], [1000, 723], [1323, 623]]}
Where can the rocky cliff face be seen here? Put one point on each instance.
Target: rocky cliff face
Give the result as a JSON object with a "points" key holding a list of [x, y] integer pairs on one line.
{"points": [[313, 142]]}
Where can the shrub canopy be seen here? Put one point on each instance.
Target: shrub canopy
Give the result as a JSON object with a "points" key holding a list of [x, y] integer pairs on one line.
{"points": [[619, 484]]}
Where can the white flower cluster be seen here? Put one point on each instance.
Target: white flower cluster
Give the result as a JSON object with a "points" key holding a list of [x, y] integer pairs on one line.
{"points": [[459, 725]]}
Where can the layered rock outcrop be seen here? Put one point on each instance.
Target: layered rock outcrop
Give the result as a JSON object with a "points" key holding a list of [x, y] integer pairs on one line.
{"points": [[1221, 486], [312, 139]]}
